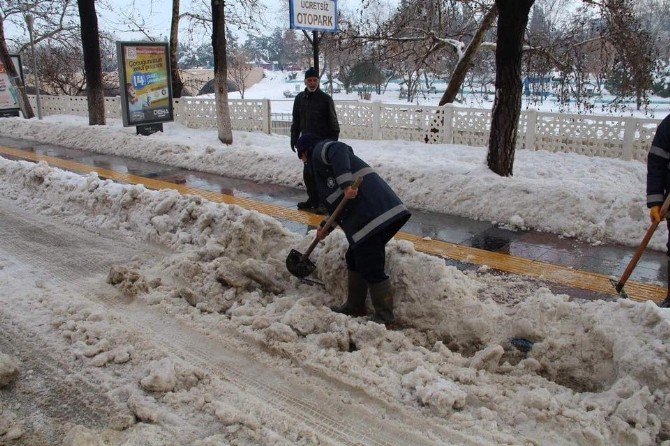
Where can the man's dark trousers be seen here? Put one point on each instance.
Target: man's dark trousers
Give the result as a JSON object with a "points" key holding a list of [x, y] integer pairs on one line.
{"points": [[310, 184]]}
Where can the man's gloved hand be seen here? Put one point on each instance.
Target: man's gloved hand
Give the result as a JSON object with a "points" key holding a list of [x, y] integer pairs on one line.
{"points": [[293, 147], [655, 214], [350, 193]]}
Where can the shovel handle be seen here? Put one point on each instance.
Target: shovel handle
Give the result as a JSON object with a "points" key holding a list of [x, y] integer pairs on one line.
{"points": [[645, 241], [336, 213]]}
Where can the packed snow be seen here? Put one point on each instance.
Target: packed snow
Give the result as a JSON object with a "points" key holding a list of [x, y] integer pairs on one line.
{"points": [[206, 276]]}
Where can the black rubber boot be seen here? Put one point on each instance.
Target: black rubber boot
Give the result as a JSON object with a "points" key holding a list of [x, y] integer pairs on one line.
{"points": [[357, 292], [382, 300]]}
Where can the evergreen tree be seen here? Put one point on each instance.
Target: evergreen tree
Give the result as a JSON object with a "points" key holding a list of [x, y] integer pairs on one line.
{"points": [[661, 85]]}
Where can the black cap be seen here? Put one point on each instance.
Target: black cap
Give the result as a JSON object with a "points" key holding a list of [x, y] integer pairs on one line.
{"points": [[311, 72]]}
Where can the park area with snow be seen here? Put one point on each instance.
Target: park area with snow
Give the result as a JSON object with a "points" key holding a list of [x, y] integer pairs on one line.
{"points": [[140, 317], [276, 85]]}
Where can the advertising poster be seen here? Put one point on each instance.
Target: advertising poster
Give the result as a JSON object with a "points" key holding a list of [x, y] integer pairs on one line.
{"points": [[313, 15], [9, 96], [146, 86]]}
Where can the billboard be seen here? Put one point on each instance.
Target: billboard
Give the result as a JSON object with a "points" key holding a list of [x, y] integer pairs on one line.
{"points": [[9, 95], [313, 15], [145, 83]]}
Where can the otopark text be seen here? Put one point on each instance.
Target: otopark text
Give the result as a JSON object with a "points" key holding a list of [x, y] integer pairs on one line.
{"points": [[314, 15], [313, 18]]}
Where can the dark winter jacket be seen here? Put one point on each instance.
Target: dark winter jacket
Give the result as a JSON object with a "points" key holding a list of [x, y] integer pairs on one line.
{"points": [[658, 165], [375, 207], [314, 113]]}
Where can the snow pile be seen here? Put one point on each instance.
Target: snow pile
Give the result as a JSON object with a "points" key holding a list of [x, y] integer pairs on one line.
{"points": [[597, 372]]}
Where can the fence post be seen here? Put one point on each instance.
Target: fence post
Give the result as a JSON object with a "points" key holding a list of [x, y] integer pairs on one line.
{"points": [[376, 120], [448, 127], [628, 137], [267, 116], [531, 129]]}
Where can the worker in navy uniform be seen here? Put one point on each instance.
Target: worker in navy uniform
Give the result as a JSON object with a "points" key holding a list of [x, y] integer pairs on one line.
{"points": [[372, 217], [313, 112], [658, 182]]}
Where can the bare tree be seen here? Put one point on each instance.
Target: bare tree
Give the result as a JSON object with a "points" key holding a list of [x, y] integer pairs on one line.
{"points": [[512, 21], [239, 70], [633, 48], [241, 14], [465, 59], [427, 36], [221, 72], [61, 69], [60, 64], [92, 62], [53, 20]]}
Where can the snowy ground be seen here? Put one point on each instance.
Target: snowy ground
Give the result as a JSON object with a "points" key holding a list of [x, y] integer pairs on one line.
{"points": [[139, 317], [142, 317]]}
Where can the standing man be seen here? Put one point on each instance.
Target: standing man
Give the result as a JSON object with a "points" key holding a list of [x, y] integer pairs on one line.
{"points": [[658, 182], [313, 112], [372, 217]]}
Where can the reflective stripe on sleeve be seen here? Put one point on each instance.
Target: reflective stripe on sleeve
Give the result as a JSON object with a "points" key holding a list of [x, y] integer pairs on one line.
{"points": [[655, 198], [347, 176], [334, 196], [378, 222], [323, 152], [659, 152]]}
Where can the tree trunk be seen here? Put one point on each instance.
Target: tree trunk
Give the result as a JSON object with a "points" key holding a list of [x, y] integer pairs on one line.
{"points": [[92, 62], [465, 63], [14, 78], [177, 83], [512, 21], [221, 72]]}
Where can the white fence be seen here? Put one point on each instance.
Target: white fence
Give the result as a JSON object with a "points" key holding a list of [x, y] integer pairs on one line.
{"points": [[616, 137]]}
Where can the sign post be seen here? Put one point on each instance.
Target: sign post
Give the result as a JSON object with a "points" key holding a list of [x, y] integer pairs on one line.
{"points": [[145, 85], [29, 22], [9, 95]]}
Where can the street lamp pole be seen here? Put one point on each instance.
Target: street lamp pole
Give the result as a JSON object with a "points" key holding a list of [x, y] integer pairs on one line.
{"points": [[29, 22]]}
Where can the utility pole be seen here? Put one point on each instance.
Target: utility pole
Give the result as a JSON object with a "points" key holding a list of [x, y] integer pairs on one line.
{"points": [[29, 22]]}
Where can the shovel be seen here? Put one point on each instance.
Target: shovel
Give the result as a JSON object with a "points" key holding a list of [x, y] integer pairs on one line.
{"points": [[299, 264], [636, 257]]}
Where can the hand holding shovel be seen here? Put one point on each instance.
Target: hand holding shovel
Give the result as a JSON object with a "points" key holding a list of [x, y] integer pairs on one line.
{"points": [[636, 257], [299, 264]]}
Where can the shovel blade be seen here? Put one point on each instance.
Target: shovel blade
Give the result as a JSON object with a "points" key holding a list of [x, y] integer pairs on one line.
{"points": [[299, 266]]}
